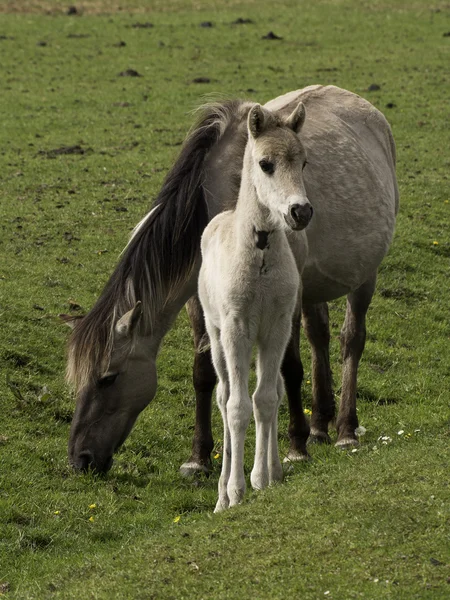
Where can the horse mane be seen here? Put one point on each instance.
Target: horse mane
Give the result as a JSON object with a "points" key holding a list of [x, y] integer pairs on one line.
{"points": [[162, 252]]}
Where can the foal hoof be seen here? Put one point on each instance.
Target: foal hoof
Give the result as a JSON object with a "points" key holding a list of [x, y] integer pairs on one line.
{"points": [[347, 443], [191, 468], [296, 456], [221, 505]]}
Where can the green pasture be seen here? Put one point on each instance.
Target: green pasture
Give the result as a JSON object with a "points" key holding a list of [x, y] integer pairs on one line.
{"points": [[84, 146]]}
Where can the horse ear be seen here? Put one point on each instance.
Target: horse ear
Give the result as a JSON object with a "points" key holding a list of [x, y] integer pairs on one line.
{"points": [[256, 120], [127, 323], [70, 320], [297, 118]]}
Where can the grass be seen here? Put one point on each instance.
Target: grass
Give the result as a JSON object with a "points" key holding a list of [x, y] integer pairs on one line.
{"points": [[369, 524]]}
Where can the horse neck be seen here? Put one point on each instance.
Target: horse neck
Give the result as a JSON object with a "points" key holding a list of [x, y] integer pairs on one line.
{"points": [[164, 316]]}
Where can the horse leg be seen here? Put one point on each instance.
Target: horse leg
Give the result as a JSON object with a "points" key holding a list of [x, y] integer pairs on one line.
{"points": [[353, 337], [204, 378], [316, 326], [237, 349], [292, 371]]}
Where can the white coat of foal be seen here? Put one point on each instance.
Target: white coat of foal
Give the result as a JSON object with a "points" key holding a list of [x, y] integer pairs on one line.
{"points": [[250, 286]]}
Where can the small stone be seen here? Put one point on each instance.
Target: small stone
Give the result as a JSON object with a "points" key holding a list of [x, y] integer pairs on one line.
{"points": [[271, 36], [130, 73], [241, 21], [146, 25]]}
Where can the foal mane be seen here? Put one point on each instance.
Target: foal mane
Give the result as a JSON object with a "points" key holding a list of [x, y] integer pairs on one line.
{"points": [[163, 250]]}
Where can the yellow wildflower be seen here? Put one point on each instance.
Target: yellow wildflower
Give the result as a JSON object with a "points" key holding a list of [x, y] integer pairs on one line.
{"points": [[177, 518], [57, 512], [216, 456], [92, 506], [91, 519], [435, 243], [307, 411]]}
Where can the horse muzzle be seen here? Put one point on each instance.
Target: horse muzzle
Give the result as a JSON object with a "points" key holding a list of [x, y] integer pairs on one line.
{"points": [[299, 216], [85, 461]]}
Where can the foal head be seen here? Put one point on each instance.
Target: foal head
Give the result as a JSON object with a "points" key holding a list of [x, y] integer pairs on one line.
{"points": [[277, 160]]}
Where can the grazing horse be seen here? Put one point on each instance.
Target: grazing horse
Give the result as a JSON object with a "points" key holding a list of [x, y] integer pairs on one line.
{"points": [[351, 184], [249, 287]]}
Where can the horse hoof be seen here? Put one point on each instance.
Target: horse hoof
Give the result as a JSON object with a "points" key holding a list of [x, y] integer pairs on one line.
{"points": [[347, 443], [319, 438], [189, 469], [295, 456]]}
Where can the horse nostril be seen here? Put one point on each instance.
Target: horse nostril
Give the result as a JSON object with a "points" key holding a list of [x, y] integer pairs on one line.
{"points": [[301, 212], [294, 211]]}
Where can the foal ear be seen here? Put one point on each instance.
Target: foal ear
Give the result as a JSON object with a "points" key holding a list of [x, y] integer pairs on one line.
{"points": [[257, 120], [126, 325], [297, 118]]}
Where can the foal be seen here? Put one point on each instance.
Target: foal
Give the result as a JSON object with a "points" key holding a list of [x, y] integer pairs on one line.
{"points": [[250, 286]]}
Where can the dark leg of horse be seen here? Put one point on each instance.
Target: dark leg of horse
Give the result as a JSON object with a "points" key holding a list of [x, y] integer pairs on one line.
{"points": [[315, 323], [353, 337], [204, 378], [292, 371]]}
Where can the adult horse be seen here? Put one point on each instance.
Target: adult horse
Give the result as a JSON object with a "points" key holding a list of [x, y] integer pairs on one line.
{"points": [[351, 184]]}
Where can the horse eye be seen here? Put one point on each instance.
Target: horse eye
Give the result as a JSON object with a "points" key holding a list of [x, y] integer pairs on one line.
{"points": [[105, 382], [267, 166]]}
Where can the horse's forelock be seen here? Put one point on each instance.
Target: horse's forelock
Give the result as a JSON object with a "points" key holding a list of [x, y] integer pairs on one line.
{"points": [[89, 348]]}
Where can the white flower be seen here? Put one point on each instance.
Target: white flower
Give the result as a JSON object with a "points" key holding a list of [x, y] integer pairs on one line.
{"points": [[360, 431], [401, 432], [385, 439]]}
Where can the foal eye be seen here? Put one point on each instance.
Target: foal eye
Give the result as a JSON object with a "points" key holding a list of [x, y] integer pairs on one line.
{"points": [[105, 382], [267, 166]]}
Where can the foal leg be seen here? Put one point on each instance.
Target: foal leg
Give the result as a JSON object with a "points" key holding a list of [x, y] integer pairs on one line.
{"points": [[204, 379], [353, 337], [237, 349], [222, 395], [265, 405], [316, 326], [275, 468], [267, 396], [292, 371]]}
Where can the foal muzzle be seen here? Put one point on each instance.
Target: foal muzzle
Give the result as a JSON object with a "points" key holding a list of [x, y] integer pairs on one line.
{"points": [[299, 216]]}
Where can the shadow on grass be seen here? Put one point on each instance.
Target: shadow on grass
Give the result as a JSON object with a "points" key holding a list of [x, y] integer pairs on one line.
{"points": [[365, 395]]}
